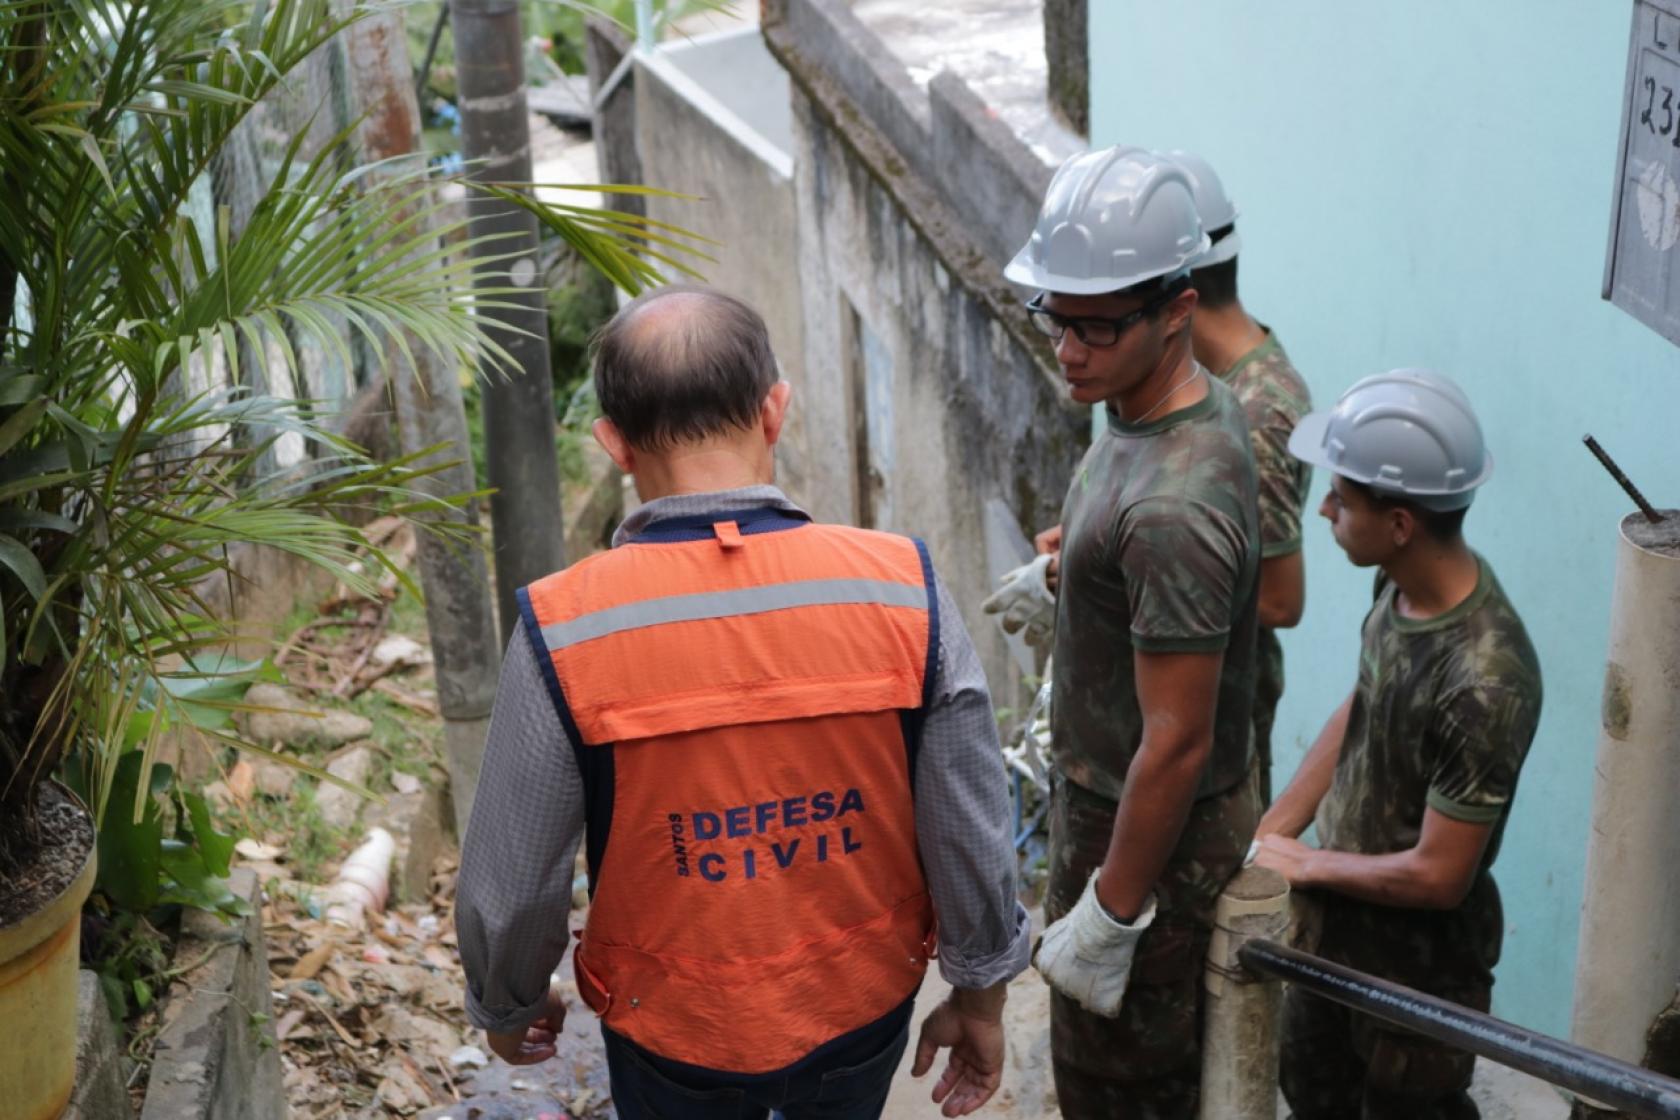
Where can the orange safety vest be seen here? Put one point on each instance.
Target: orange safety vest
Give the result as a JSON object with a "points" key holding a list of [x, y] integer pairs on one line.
{"points": [[744, 691]]}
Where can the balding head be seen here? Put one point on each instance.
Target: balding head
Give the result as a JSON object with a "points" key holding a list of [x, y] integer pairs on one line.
{"points": [[682, 364]]}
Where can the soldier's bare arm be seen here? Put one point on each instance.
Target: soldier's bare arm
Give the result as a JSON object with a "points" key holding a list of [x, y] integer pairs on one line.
{"points": [[1293, 811], [1177, 694], [1283, 590], [1436, 874]]}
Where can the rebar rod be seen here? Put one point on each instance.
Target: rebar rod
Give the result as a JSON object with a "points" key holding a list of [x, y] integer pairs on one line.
{"points": [[1623, 480]]}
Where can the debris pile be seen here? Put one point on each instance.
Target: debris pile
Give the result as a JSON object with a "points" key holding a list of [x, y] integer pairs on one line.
{"points": [[370, 1022]]}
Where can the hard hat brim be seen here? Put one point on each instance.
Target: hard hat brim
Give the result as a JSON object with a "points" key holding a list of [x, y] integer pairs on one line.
{"points": [[1306, 443], [1025, 271], [1224, 249]]}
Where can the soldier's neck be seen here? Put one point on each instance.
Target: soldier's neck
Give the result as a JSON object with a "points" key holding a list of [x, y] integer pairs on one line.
{"points": [[1169, 388], [1433, 576], [1221, 336]]}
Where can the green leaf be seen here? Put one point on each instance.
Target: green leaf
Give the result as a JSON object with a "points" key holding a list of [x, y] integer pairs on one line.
{"points": [[116, 996], [131, 851], [215, 847], [22, 562], [37, 519], [20, 388], [191, 883], [142, 993], [20, 424]]}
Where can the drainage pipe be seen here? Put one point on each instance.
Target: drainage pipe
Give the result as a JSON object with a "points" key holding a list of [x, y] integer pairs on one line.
{"points": [[1629, 957], [1619, 1084]]}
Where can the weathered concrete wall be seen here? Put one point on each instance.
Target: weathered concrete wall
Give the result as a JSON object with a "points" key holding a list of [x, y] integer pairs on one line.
{"points": [[902, 288], [614, 126], [692, 140], [101, 1091], [215, 1057], [1065, 47]]}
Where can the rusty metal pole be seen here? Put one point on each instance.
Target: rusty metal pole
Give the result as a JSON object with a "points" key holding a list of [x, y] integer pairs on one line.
{"points": [[459, 611], [1242, 1024], [519, 424]]}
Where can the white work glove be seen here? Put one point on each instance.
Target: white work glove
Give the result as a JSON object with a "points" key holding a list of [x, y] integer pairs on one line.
{"points": [[1087, 955], [1023, 599]]}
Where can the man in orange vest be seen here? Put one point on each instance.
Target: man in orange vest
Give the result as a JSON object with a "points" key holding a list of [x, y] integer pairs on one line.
{"points": [[775, 741]]}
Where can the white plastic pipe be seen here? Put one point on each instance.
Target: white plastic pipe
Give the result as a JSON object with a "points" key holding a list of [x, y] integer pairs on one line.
{"points": [[1242, 1020], [363, 881], [1629, 957]]}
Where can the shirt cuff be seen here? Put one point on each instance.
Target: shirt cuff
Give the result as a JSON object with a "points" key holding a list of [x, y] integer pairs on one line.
{"points": [[504, 1019], [1271, 549], [962, 970], [1211, 643], [1458, 811]]}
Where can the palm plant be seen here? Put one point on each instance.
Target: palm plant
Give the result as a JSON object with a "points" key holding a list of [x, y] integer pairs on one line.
{"points": [[139, 435]]}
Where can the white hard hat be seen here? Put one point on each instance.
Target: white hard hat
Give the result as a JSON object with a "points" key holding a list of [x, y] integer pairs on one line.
{"points": [[1408, 433], [1111, 219], [1213, 205]]}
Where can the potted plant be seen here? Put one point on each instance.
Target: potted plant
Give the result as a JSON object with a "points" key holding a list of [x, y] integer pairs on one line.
{"points": [[138, 435]]}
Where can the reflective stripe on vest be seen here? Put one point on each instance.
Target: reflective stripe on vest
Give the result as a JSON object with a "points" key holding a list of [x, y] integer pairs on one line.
{"points": [[742, 700]]}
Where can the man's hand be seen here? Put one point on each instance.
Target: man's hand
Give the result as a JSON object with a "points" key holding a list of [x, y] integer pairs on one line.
{"points": [[971, 1024], [1049, 543], [536, 1043], [1087, 954], [1287, 856]]}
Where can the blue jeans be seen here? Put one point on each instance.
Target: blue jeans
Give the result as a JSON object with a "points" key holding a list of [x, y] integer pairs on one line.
{"points": [[847, 1080]]}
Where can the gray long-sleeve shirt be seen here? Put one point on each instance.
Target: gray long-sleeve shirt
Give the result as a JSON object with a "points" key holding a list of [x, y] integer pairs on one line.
{"points": [[514, 893]]}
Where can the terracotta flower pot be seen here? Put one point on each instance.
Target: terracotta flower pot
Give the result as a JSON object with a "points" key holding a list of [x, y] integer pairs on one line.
{"points": [[39, 955]]}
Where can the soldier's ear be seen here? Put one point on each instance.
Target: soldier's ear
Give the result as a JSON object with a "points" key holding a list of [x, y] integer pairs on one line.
{"points": [[1402, 526]]}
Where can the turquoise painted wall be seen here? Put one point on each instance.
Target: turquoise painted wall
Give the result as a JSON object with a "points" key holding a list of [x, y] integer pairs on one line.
{"points": [[1429, 183]]}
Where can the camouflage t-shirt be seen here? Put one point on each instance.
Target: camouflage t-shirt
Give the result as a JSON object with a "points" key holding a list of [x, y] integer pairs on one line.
{"points": [[1160, 553], [1442, 718], [1274, 398]]}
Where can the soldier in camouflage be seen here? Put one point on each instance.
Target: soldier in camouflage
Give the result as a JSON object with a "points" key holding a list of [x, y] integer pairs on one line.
{"points": [[1157, 558], [1411, 780], [1248, 357]]}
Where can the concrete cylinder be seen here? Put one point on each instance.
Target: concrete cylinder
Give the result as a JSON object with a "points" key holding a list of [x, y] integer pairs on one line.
{"points": [[1240, 1029], [1629, 958]]}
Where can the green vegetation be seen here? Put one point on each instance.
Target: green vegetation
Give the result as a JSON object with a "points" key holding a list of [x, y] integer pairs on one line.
{"points": [[143, 440]]}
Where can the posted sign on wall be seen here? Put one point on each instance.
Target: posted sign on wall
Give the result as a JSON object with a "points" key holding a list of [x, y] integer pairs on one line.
{"points": [[1642, 271]]}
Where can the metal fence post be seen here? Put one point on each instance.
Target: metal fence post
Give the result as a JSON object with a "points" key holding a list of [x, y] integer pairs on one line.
{"points": [[1240, 1028]]}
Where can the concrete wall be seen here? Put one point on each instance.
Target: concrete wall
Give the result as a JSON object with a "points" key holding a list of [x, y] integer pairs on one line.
{"points": [[1429, 184], [690, 139], [918, 358], [614, 124], [1065, 25]]}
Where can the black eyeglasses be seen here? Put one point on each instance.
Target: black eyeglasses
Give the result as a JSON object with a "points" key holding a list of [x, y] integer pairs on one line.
{"points": [[1094, 332]]}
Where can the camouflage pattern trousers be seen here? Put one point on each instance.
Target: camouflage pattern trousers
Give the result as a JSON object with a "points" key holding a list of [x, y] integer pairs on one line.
{"points": [[1341, 1065], [1146, 1063]]}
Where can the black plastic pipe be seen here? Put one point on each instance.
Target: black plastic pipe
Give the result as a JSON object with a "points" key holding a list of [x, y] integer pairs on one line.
{"points": [[1604, 1079]]}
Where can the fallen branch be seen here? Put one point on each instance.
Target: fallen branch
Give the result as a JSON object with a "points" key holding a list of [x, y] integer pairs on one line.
{"points": [[338, 1028], [413, 701]]}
